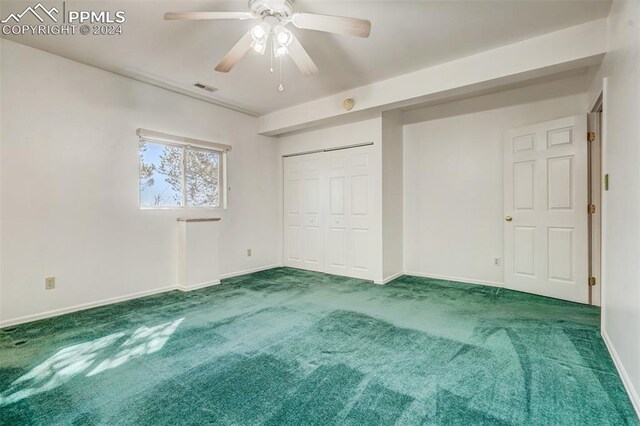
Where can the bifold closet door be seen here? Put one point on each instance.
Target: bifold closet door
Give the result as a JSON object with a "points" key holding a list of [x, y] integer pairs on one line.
{"points": [[303, 205], [327, 212]]}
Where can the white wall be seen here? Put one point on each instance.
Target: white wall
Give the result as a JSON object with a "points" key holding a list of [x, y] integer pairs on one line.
{"points": [[392, 195], [364, 131], [621, 214], [69, 185], [453, 178]]}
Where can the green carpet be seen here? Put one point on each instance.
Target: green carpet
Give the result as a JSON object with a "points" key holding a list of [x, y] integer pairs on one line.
{"points": [[291, 347]]}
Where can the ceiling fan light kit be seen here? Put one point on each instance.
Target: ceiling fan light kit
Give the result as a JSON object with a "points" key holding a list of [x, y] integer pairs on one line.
{"points": [[280, 38], [272, 17]]}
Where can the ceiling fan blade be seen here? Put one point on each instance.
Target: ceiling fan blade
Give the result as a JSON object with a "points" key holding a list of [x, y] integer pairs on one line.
{"points": [[236, 53], [302, 59], [172, 16], [332, 24]]}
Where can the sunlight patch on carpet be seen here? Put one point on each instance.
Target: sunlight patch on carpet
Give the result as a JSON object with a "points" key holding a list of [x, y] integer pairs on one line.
{"points": [[74, 360]]}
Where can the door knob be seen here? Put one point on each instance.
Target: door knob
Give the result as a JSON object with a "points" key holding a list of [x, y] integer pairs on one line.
{"points": [[508, 218]]}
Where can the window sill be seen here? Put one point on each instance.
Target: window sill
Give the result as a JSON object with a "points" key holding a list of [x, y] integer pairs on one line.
{"points": [[183, 208], [198, 219]]}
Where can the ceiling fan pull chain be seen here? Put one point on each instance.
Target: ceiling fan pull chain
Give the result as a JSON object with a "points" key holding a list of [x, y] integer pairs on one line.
{"points": [[281, 87], [271, 69]]}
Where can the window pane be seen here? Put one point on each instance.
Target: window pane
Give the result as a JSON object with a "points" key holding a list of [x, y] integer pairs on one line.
{"points": [[203, 177], [160, 175]]}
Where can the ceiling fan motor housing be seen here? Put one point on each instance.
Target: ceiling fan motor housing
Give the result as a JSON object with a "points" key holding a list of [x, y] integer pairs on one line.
{"points": [[274, 8]]}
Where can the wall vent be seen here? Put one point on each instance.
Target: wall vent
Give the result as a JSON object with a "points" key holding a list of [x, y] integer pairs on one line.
{"points": [[205, 87]]}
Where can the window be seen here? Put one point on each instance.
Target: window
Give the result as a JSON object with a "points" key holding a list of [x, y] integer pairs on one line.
{"points": [[179, 175]]}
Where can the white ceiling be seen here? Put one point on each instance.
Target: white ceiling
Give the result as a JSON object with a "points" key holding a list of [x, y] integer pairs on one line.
{"points": [[406, 36]]}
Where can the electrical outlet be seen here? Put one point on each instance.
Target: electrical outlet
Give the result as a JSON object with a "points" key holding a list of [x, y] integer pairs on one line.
{"points": [[496, 261], [249, 252], [50, 283]]}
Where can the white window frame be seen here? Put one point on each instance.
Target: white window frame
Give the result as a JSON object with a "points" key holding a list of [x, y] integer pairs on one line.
{"points": [[151, 136]]}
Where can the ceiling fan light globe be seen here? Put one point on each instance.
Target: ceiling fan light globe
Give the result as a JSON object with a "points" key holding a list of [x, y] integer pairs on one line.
{"points": [[257, 32], [284, 37], [260, 32], [259, 47], [281, 51]]}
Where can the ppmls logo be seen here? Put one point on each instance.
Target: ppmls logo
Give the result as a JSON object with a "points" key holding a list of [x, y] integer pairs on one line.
{"points": [[69, 22], [51, 13]]}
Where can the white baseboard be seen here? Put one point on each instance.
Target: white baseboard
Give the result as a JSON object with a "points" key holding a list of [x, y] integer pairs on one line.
{"points": [[82, 307], [57, 312], [457, 279], [389, 279], [250, 271], [197, 286], [626, 380]]}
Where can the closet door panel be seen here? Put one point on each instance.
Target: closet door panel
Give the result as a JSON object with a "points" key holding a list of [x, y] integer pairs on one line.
{"points": [[361, 207], [348, 212], [335, 210], [303, 211]]}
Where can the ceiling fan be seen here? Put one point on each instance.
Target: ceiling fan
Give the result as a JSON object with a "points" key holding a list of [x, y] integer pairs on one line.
{"points": [[272, 18]]}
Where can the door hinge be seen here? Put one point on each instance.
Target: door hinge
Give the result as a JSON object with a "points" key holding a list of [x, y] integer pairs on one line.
{"points": [[592, 281], [591, 136], [591, 208]]}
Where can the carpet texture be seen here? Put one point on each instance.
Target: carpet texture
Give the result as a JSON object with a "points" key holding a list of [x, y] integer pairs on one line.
{"points": [[292, 347]]}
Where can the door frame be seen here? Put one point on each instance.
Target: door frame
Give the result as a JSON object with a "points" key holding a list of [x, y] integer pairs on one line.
{"points": [[598, 103], [595, 188]]}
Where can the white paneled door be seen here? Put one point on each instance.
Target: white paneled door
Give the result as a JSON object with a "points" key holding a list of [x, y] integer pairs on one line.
{"points": [[546, 217], [303, 221], [335, 209]]}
